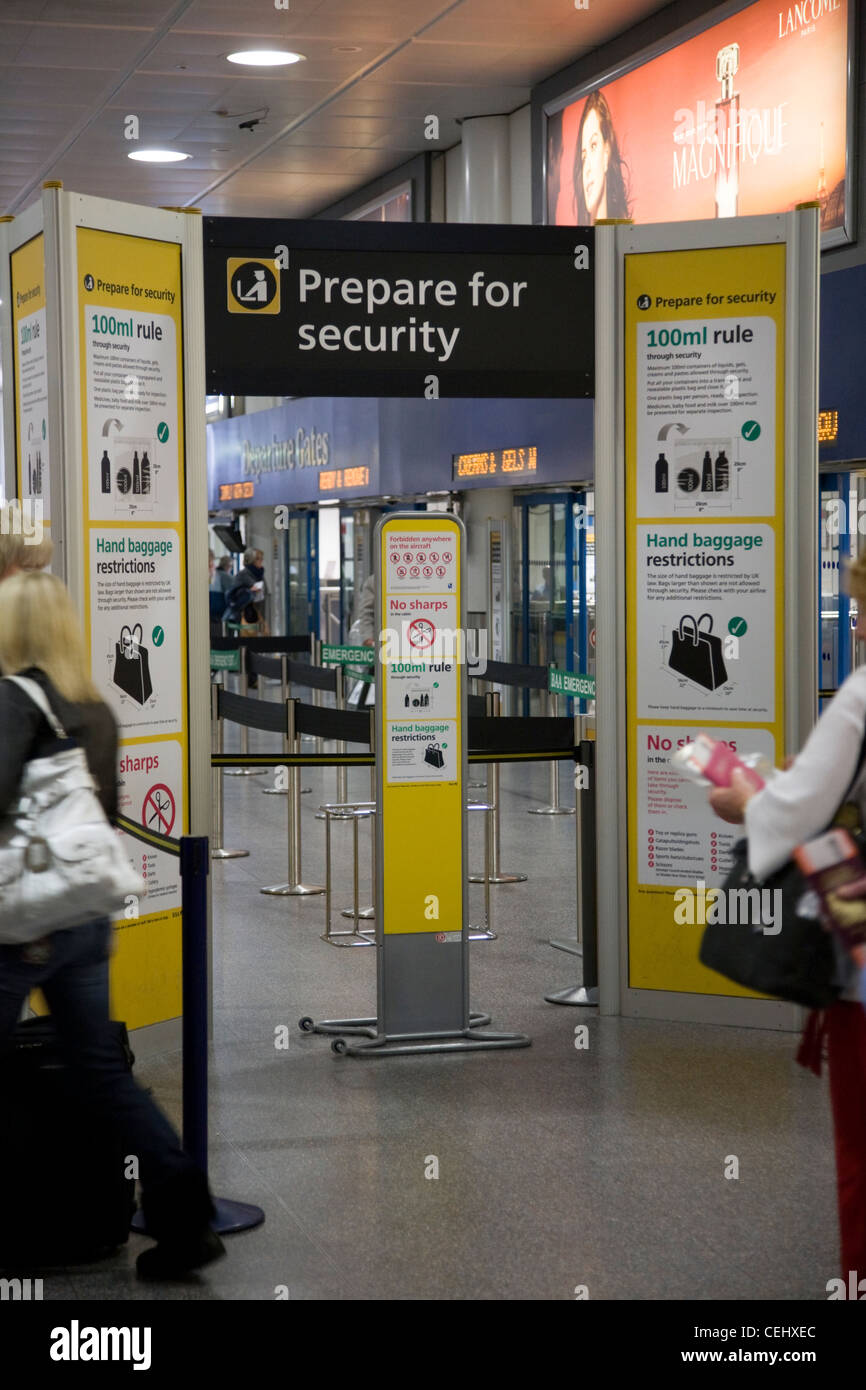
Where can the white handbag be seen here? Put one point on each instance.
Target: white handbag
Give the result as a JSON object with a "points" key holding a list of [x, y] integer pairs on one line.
{"points": [[61, 863]]}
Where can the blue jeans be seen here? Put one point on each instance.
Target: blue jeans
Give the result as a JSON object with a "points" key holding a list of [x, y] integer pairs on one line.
{"points": [[73, 976]]}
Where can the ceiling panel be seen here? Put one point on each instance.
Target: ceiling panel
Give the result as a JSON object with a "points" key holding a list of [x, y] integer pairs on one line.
{"points": [[72, 70]]}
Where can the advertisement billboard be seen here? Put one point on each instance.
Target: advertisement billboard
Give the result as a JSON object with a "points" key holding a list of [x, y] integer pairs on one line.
{"points": [[749, 116]]}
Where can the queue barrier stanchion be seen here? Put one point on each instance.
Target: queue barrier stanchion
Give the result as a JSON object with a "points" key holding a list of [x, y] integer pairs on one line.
{"points": [[218, 850], [284, 695], [294, 888], [316, 660], [493, 873], [245, 733], [553, 808], [368, 914], [585, 994], [230, 1217], [342, 772]]}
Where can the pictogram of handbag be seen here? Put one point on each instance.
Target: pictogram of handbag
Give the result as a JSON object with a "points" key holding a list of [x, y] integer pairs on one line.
{"points": [[697, 654], [434, 755], [132, 665]]}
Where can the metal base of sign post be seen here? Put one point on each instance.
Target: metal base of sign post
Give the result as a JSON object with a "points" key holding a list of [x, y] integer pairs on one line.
{"points": [[498, 878], [367, 914], [406, 1044], [284, 791], [572, 948], [587, 998], [229, 854], [245, 771], [292, 890], [550, 811]]}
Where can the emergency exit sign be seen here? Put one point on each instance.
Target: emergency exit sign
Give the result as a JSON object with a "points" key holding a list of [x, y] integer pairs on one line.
{"points": [[570, 683]]}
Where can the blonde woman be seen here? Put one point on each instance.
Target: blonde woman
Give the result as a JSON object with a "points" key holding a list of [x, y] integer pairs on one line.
{"points": [[795, 806], [40, 638]]}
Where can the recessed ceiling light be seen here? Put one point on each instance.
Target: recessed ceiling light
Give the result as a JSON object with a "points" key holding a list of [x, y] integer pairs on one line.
{"points": [[265, 57], [158, 156]]}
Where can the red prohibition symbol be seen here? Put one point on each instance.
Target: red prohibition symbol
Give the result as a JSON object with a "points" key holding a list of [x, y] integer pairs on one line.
{"points": [[421, 633], [157, 813]]}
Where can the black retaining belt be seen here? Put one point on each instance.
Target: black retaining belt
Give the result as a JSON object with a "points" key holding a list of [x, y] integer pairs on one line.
{"points": [[506, 673], [315, 677], [255, 714], [288, 645], [536, 739], [344, 725], [476, 706], [260, 665]]}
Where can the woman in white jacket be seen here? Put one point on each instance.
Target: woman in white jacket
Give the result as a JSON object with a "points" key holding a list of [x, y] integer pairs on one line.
{"points": [[793, 807]]}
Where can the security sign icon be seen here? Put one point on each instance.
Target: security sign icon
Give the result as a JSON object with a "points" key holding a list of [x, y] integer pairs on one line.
{"points": [[421, 633], [253, 287]]}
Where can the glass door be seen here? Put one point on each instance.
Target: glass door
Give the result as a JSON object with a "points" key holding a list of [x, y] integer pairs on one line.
{"points": [[302, 572]]}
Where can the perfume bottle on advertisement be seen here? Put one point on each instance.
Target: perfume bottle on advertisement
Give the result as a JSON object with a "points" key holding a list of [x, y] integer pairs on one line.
{"points": [[722, 471], [136, 473], [707, 473], [145, 473], [727, 132], [661, 474], [105, 466]]}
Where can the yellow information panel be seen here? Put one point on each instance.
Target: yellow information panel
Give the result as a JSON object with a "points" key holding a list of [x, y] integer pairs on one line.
{"points": [[30, 358], [704, 438], [132, 448], [421, 679]]}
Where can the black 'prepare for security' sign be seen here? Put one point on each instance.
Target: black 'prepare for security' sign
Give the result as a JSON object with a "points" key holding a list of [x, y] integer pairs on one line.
{"points": [[418, 309]]}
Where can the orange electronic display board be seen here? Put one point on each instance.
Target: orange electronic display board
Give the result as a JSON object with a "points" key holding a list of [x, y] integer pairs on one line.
{"points": [[751, 115], [495, 463]]}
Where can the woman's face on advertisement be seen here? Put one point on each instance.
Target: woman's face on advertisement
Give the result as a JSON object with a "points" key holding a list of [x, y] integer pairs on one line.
{"points": [[594, 159]]}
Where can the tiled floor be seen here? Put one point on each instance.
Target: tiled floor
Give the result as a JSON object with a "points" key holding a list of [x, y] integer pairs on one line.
{"points": [[558, 1167]]}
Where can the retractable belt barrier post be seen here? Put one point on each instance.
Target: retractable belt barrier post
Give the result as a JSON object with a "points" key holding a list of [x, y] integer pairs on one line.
{"points": [[492, 872], [316, 660], [553, 808], [245, 733], [231, 1217], [294, 888], [218, 851], [284, 695], [342, 772], [586, 897]]}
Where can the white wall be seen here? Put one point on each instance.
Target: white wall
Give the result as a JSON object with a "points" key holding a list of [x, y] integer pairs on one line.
{"points": [[519, 129], [520, 135]]}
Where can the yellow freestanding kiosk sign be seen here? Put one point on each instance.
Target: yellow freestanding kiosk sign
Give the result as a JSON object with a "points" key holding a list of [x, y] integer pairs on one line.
{"points": [[422, 935], [705, 447], [130, 334], [423, 671]]}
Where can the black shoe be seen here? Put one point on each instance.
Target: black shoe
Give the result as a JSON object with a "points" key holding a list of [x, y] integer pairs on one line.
{"points": [[171, 1260]]}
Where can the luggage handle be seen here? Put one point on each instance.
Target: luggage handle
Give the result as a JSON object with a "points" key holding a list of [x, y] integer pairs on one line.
{"points": [[687, 617]]}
